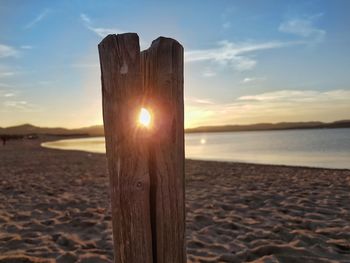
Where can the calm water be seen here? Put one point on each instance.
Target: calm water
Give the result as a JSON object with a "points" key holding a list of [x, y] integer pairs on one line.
{"points": [[329, 148]]}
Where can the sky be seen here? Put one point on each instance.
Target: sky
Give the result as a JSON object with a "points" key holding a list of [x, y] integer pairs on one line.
{"points": [[247, 61]]}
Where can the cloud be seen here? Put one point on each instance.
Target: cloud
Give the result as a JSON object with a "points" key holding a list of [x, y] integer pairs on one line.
{"points": [[19, 105], [239, 56], [248, 80], [233, 54], [11, 102], [208, 72], [85, 18], [7, 74], [100, 31], [276, 106], [8, 51], [241, 63], [5, 93], [37, 19], [26, 47], [104, 31], [288, 95], [15, 103], [198, 101], [304, 27], [228, 50]]}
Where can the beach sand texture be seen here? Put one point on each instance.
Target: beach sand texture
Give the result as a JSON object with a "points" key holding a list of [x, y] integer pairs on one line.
{"points": [[54, 207]]}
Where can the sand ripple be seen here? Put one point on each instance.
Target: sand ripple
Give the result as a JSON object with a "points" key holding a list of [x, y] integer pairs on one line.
{"points": [[246, 213], [54, 208]]}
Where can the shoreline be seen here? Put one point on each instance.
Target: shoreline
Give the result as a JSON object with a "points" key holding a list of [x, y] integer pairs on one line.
{"points": [[57, 209]]}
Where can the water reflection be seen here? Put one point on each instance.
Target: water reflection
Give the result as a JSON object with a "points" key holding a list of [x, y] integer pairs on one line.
{"points": [[329, 148]]}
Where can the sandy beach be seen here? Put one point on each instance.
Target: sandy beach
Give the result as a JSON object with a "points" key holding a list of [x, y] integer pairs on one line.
{"points": [[55, 208]]}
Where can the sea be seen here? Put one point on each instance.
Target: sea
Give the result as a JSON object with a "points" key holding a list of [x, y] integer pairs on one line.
{"points": [[324, 148]]}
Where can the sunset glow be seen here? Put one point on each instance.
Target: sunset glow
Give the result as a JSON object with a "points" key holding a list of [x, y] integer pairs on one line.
{"points": [[145, 117]]}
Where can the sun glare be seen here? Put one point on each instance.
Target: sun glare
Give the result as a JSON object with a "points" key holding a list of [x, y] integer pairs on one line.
{"points": [[144, 117]]}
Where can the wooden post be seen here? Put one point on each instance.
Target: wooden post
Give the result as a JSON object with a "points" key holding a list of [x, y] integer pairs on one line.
{"points": [[146, 164]]}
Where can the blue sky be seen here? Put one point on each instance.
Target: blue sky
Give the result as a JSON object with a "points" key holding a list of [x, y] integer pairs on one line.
{"points": [[245, 61]]}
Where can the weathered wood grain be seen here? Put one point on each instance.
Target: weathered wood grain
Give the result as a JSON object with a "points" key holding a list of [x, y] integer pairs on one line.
{"points": [[146, 165], [127, 151], [162, 67]]}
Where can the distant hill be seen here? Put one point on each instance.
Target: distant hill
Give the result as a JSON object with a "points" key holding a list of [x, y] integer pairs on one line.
{"points": [[31, 129], [98, 129], [272, 126]]}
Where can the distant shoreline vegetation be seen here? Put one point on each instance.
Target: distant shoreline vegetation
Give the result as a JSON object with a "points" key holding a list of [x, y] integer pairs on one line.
{"points": [[271, 126], [97, 130]]}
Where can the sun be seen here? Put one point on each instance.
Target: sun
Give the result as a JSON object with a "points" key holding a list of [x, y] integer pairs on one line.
{"points": [[145, 117]]}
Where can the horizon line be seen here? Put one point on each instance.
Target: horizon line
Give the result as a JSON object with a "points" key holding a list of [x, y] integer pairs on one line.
{"points": [[202, 126]]}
